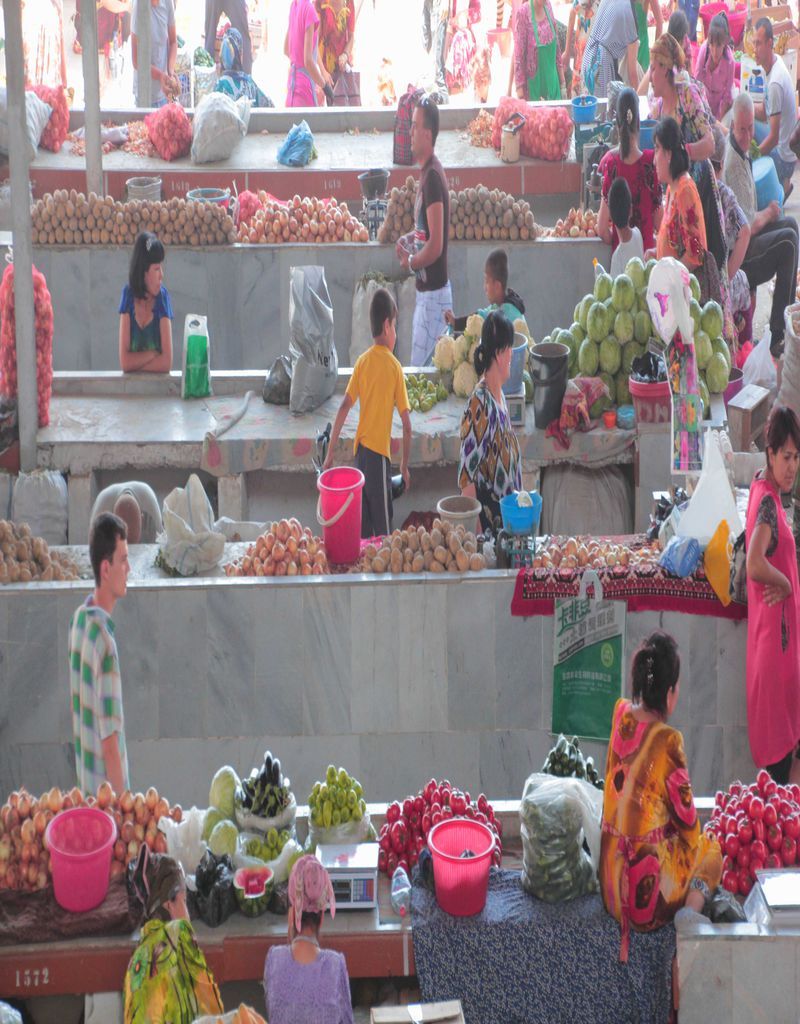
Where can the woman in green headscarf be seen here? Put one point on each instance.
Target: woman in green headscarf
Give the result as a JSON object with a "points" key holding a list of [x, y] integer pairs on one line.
{"points": [[233, 80], [538, 64], [168, 980]]}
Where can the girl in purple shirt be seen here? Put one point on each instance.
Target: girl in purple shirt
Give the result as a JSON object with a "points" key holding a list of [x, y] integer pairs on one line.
{"points": [[304, 984], [714, 67]]}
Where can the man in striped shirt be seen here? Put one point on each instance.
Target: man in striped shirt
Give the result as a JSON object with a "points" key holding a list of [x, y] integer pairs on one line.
{"points": [[98, 722]]}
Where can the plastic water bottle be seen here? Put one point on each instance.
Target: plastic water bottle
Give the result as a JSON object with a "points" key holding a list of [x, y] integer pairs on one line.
{"points": [[401, 892]]}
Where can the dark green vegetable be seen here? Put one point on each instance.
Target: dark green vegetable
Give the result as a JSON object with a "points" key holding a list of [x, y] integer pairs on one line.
{"points": [[566, 760]]}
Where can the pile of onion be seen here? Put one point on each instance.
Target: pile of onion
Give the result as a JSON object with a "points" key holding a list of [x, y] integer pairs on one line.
{"points": [[24, 858], [286, 549]]}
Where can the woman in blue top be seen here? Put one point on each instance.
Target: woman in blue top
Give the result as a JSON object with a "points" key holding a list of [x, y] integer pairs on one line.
{"points": [[145, 312]]}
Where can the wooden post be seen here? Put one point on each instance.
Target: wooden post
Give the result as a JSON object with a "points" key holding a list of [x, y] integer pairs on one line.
{"points": [[143, 59], [91, 100], [18, 143]]}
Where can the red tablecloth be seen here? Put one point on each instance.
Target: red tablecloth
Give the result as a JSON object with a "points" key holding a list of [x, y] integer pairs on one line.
{"points": [[644, 590]]}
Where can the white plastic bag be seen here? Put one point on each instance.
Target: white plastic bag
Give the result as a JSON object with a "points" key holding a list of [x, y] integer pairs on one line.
{"points": [[759, 367], [190, 543], [37, 114], [185, 838], [219, 124], [406, 304], [668, 297], [360, 329], [556, 815], [286, 819], [40, 499], [315, 365], [712, 500], [789, 394]]}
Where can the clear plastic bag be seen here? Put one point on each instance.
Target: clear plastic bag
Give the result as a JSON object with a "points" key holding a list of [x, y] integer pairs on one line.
{"points": [[338, 835], [759, 367], [280, 866], [8, 1015], [284, 820], [556, 816], [680, 556]]}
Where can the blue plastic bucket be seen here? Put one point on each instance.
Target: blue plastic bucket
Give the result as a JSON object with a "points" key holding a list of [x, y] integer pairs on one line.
{"points": [[584, 109], [519, 358], [646, 129], [767, 185], [521, 519]]}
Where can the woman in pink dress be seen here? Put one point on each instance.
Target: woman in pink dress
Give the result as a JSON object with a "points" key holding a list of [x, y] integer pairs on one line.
{"points": [[773, 604], [306, 73]]}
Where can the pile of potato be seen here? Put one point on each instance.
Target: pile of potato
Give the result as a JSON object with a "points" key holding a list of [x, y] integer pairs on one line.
{"points": [[285, 549], [446, 548], [71, 218], [577, 224], [25, 558], [478, 214], [304, 219], [593, 553]]}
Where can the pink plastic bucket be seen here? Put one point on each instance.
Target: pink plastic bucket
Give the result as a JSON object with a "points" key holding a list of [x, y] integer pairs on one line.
{"points": [[81, 843], [339, 513], [461, 883]]}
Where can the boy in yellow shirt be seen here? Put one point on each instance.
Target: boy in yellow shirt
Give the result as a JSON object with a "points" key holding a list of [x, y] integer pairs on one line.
{"points": [[378, 385]]}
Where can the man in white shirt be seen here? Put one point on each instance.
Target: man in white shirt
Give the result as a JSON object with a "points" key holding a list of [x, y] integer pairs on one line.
{"points": [[773, 247], [779, 108], [163, 51]]}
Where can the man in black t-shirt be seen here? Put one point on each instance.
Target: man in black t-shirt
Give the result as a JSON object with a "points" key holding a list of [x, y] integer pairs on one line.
{"points": [[424, 250]]}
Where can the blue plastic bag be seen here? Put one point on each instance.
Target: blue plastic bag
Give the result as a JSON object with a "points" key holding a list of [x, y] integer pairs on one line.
{"points": [[680, 556], [298, 146]]}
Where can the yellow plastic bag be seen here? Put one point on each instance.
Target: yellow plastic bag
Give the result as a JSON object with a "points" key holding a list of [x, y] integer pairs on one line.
{"points": [[717, 559]]}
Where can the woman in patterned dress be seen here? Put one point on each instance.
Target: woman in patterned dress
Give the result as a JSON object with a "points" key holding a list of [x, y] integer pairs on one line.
{"points": [[677, 96], [167, 981], [654, 858], [682, 233], [773, 607], [490, 465]]}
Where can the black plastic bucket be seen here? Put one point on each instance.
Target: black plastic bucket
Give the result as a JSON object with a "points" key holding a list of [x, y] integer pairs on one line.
{"points": [[549, 367]]}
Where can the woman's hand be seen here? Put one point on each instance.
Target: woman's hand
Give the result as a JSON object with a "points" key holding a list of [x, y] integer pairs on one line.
{"points": [[342, 62], [449, 317], [650, 255], [778, 591]]}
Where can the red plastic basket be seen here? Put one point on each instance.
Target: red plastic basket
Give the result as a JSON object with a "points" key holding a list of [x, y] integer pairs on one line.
{"points": [[461, 882], [81, 844], [737, 19], [652, 403]]}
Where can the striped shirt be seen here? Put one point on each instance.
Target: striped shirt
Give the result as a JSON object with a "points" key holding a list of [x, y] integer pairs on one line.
{"points": [[612, 32], [95, 694]]}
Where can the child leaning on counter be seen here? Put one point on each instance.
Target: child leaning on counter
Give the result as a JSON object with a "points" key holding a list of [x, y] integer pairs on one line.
{"points": [[495, 285]]}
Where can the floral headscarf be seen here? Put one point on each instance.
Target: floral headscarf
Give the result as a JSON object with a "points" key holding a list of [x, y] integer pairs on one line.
{"points": [[310, 890], [230, 53], [668, 52]]}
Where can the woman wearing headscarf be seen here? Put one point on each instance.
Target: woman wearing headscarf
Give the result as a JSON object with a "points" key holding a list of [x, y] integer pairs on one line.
{"points": [[167, 980], [234, 80], [677, 96], [301, 981]]}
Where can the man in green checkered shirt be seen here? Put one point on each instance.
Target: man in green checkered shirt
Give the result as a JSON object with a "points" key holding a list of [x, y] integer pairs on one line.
{"points": [[98, 722]]}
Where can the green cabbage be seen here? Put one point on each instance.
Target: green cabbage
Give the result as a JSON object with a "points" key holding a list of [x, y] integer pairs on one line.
{"points": [[223, 790]]}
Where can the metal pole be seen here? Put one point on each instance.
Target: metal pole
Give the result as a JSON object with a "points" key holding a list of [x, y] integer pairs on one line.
{"points": [[142, 30], [18, 143], [91, 100]]}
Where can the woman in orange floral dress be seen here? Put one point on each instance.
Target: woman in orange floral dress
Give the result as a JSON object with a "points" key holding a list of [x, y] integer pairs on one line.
{"points": [[654, 859]]}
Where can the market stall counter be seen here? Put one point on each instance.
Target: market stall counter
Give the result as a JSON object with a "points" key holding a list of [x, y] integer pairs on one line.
{"points": [[91, 434], [342, 157]]}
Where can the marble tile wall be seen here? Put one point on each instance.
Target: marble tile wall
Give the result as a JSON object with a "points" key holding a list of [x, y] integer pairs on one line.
{"points": [[397, 681], [244, 289]]}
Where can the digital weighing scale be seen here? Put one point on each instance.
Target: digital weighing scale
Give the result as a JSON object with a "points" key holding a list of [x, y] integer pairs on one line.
{"points": [[354, 874]]}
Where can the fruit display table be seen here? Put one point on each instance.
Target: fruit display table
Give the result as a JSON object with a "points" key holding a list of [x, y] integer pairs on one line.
{"points": [[244, 291]]}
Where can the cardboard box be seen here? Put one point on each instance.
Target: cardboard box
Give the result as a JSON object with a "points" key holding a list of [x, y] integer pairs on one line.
{"points": [[429, 1013]]}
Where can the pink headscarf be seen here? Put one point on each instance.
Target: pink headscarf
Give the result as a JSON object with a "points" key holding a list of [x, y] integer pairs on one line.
{"points": [[310, 890]]}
